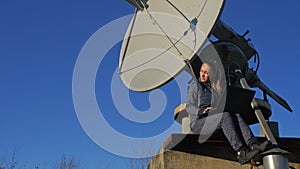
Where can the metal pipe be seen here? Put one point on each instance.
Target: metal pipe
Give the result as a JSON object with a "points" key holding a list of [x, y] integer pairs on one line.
{"points": [[259, 115], [276, 161]]}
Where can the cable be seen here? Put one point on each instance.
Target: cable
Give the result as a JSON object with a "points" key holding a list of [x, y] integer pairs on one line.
{"points": [[178, 10], [258, 62], [169, 39], [129, 36]]}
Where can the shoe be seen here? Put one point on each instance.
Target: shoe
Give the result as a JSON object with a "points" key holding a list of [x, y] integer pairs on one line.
{"points": [[245, 155], [260, 146]]}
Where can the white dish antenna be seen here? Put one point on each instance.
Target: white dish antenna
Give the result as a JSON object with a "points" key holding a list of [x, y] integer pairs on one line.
{"points": [[162, 37]]}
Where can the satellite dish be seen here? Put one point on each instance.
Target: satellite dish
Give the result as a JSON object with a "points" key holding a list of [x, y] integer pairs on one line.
{"points": [[162, 37]]}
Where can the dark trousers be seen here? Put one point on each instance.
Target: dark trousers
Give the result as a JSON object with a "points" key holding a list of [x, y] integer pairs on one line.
{"points": [[234, 127]]}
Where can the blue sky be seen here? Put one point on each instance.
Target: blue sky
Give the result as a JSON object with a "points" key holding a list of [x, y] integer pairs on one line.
{"points": [[40, 42]]}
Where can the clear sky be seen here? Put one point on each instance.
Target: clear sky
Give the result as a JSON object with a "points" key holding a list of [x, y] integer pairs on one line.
{"points": [[40, 42]]}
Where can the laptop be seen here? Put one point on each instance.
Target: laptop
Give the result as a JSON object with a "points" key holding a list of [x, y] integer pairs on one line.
{"points": [[238, 100]]}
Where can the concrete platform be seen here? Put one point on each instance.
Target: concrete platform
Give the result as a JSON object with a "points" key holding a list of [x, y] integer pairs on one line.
{"points": [[182, 151]]}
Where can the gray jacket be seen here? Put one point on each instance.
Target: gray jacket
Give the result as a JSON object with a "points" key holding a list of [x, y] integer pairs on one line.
{"points": [[200, 96]]}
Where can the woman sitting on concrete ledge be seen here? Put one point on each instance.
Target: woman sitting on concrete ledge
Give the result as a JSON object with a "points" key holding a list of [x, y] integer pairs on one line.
{"points": [[203, 97]]}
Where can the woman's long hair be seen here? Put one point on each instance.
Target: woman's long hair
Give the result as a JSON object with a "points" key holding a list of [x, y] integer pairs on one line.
{"points": [[215, 76]]}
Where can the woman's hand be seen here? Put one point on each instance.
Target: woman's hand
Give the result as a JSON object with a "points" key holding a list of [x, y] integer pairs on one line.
{"points": [[207, 109]]}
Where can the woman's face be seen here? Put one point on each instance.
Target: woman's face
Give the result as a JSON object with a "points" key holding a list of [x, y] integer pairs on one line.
{"points": [[205, 72]]}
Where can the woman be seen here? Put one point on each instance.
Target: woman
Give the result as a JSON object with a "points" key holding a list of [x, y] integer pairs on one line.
{"points": [[203, 99]]}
